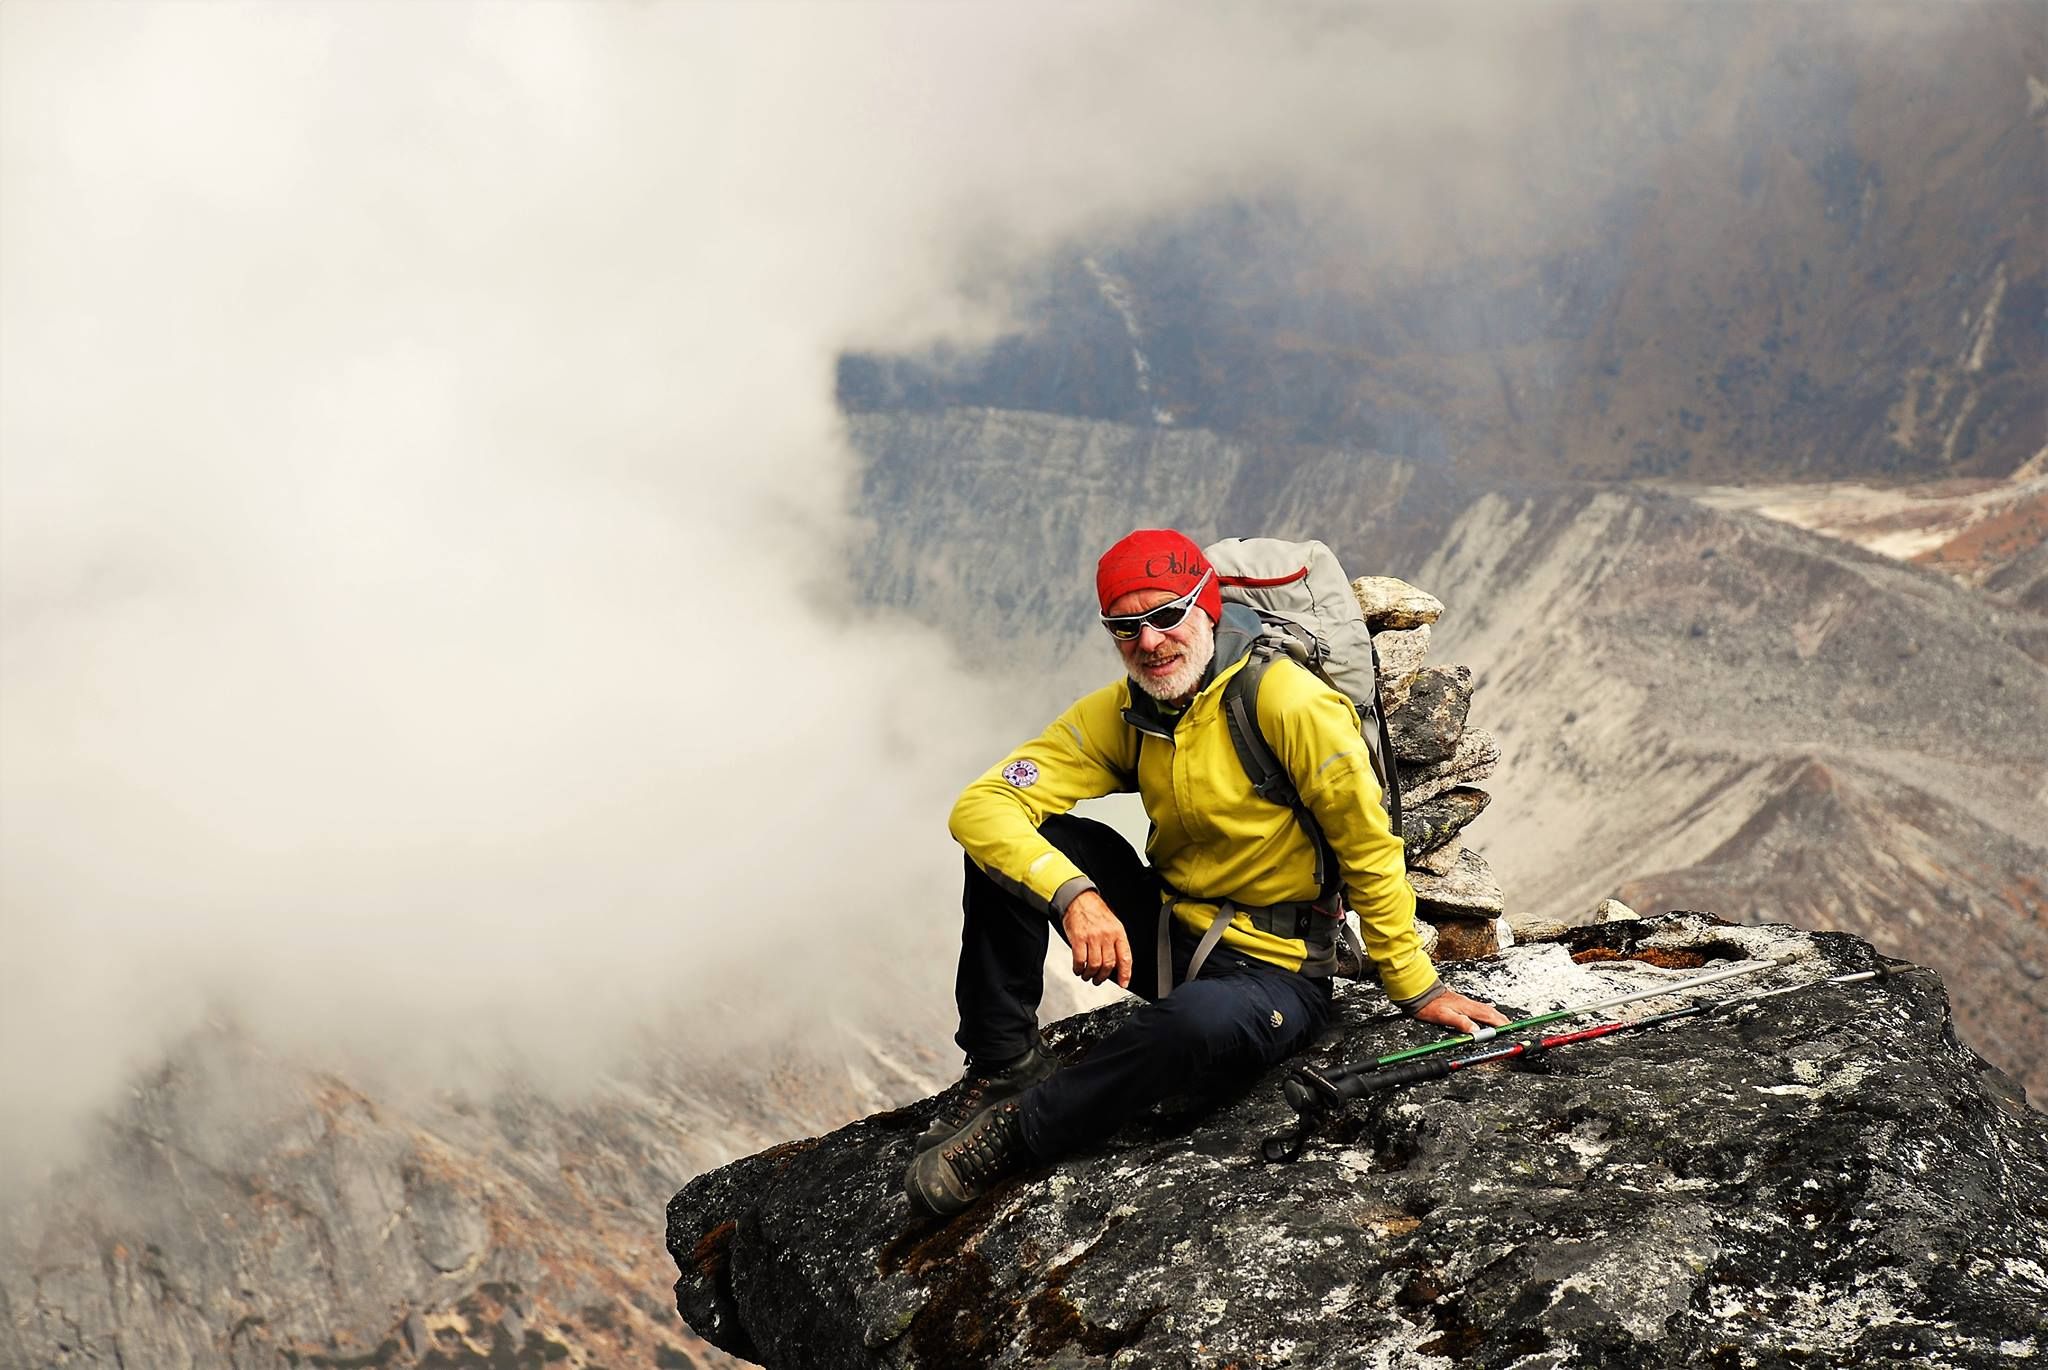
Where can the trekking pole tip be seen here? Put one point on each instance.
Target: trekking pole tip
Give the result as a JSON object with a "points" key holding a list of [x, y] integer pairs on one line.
{"points": [[1283, 1147]]}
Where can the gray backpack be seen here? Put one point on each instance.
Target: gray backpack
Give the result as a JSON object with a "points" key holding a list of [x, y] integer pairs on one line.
{"points": [[1307, 612]]}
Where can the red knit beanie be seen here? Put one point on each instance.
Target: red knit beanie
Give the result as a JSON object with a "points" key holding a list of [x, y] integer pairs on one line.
{"points": [[1156, 559]]}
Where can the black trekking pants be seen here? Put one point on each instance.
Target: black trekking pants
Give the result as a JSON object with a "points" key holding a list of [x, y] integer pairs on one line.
{"points": [[1219, 1031]]}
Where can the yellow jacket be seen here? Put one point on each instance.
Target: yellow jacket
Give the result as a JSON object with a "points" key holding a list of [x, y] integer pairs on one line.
{"points": [[1212, 837]]}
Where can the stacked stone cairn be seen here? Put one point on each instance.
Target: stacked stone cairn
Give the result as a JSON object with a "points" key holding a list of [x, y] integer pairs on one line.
{"points": [[1440, 761]]}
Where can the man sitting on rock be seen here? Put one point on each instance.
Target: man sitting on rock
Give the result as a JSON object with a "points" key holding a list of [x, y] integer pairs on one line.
{"points": [[1221, 1008]]}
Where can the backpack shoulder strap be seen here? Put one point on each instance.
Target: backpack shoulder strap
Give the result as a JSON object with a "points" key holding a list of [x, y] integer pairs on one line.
{"points": [[1383, 753], [1269, 778]]}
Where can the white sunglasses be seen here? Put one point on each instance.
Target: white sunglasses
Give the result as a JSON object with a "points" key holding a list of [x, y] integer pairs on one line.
{"points": [[1165, 618]]}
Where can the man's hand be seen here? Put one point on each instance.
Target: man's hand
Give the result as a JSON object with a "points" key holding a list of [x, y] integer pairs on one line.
{"points": [[1101, 950], [1453, 1010]]}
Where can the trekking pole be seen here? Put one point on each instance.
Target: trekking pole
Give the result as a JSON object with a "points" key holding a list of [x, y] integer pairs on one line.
{"points": [[1313, 1094], [1487, 1034]]}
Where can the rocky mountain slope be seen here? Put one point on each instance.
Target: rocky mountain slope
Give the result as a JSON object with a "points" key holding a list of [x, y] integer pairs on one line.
{"points": [[1823, 1178], [1766, 243], [1719, 711], [1701, 708], [1989, 533], [243, 1212], [1730, 243]]}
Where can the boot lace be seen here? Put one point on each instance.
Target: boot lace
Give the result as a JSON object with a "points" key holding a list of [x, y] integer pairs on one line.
{"points": [[966, 1103], [990, 1151], [976, 1086]]}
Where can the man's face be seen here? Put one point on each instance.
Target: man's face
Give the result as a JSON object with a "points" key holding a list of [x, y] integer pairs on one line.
{"points": [[1166, 665]]}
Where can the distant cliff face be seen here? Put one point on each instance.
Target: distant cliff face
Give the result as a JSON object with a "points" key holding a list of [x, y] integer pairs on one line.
{"points": [[1761, 241], [990, 521]]}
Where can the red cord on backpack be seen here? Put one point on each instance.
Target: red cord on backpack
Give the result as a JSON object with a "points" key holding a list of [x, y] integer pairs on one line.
{"points": [[1261, 582]]}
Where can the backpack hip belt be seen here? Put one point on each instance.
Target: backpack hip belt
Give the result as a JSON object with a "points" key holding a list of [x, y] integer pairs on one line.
{"points": [[1315, 922]]}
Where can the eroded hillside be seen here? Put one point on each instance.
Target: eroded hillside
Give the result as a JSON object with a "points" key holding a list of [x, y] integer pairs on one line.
{"points": [[1713, 710], [240, 1210]]}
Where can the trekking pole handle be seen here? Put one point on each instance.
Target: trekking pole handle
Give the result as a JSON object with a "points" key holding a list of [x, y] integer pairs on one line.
{"points": [[1393, 1077], [1308, 1091]]}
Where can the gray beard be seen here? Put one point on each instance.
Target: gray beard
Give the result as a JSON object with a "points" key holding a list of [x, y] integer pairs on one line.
{"points": [[1200, 651]]}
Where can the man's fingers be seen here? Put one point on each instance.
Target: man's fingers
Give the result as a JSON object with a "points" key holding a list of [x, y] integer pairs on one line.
{"points": [[1102, 953], [1478, 1011], [1460, 1014], [1091, 957], [1446, 1015]]}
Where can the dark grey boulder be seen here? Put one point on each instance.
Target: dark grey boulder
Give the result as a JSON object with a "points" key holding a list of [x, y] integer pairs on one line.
{"points": [[1428, 824], [1476, 756], [1824, 1179], [1427, 725]]}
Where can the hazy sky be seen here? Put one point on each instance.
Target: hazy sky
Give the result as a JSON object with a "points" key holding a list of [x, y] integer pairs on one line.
{"points": [[424, 522]]}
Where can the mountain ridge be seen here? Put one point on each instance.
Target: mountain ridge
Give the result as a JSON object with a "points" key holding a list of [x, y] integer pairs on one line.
{"points": [[1815, 246]]}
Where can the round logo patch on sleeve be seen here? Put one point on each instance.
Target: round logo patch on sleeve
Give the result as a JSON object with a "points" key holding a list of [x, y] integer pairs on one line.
{"points": [[1022, 774]]}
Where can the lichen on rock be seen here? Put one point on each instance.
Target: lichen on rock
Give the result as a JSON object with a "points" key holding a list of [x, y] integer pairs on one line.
{"points": [[1427, 825], [1427, 725], [1477, 754]]}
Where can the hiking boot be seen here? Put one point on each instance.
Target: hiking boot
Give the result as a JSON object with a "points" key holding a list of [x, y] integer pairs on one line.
{"points": [[985, 1085], [943, 1180]]}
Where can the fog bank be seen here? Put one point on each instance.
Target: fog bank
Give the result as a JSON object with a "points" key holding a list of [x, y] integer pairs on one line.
{"points": [[424, 520]]}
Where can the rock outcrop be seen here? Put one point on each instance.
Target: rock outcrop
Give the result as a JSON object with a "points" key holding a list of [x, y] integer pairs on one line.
{"points": [[1824, 1178]]}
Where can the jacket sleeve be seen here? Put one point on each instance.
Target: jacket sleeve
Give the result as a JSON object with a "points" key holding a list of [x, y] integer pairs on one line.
{"points": [[1314, 732], [1087, 752]]}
